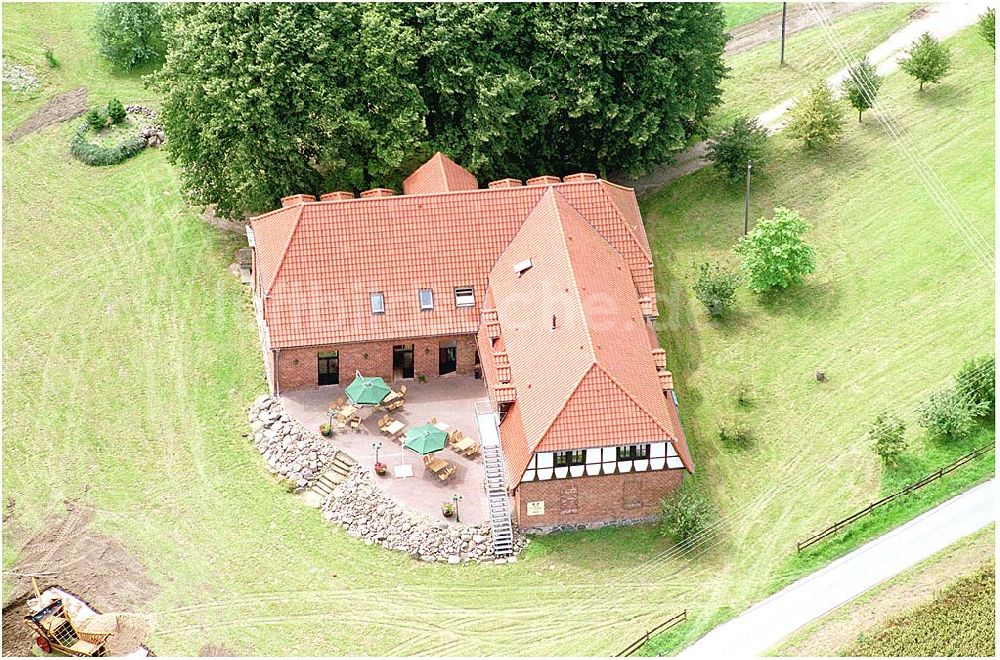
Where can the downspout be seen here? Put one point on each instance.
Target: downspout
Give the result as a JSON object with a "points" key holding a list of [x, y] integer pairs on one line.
{"points": [[276, 352]]}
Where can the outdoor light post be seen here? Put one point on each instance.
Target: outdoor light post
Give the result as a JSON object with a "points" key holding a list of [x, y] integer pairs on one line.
{"points": [[746, 202], [456, 498], [376, 446], [784, 11]]}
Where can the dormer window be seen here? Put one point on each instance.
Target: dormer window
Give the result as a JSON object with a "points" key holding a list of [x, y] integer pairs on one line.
{"points": [[377, 302], [426, 299], [465, 297]]}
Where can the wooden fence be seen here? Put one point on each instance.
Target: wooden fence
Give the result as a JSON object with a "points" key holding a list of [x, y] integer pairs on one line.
{"points": [[933, 476], [638, 644]]}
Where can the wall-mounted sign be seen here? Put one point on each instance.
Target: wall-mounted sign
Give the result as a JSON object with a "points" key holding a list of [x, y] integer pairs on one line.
{"points": [[536, 508]]}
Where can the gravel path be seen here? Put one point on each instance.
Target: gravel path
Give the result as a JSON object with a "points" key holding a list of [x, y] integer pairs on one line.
{"points": [[942, 20]]}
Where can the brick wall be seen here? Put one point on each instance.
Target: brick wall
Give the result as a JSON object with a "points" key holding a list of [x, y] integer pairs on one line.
{"points": [[594, 500], [298, 369]]}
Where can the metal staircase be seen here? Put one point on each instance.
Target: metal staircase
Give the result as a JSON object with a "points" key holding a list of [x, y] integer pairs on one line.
{"points": [[496, 480]]}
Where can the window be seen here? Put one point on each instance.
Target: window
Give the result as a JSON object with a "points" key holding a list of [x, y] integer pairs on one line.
{"points": [[465, 297], [632, 452], [521, 266], [378, 302], [329, 368], [426, 299], [565, 458]]}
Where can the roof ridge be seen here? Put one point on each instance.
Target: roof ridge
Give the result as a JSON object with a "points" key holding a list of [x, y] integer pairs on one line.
{"points": [[284, 250], [439, 157]]}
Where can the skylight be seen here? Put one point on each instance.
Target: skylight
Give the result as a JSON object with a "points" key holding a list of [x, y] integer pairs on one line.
{"points": [[426, 299], [378, 302]]}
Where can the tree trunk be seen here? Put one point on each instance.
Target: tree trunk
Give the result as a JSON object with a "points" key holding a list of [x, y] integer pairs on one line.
{"points": [[859, 116], [921, 85]]}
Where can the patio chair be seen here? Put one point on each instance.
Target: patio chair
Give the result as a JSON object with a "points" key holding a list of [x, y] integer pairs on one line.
{"points": [[427, 461], [434, 420], [356, 422], [455, 437]]}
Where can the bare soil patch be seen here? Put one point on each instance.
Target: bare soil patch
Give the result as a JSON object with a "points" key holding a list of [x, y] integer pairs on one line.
{"points": [[210, 651], [94, 567], [226, 224], [58, 109]]}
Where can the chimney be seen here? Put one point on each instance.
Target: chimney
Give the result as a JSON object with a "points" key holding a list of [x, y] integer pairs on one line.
{"points": [[582, 176], [377, 192], [293, 200], [505, 183], [543, 180], [336, 196]]}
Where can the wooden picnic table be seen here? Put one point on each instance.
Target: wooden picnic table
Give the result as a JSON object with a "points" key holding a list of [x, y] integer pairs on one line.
{"points": [[464, 444], [347, 412], [394, 428], [436, 465]]}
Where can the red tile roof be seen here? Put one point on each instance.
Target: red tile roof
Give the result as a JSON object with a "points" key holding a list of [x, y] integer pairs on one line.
{"points": [[439, 174], [592, 381], [318, 262]]}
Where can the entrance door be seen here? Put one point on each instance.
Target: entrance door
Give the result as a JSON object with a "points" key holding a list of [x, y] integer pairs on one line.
{"points": [[329, 368], [446, 357], [402, 361]]}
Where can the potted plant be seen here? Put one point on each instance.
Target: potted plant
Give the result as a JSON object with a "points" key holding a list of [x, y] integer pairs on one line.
{"points": [[447, 509], [381, 469], [325, 430]]}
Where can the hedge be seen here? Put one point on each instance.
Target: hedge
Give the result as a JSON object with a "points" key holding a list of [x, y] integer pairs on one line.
{"points": [[94, 154]]}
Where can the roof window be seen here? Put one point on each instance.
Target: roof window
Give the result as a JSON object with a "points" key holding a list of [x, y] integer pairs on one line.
{"points": [[465, 297], [426, 299], [377, 302]]}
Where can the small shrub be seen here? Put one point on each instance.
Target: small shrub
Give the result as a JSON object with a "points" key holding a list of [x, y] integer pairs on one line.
{"points": [[886, 435], [976, 383], [742, 142], [96, 119], [928, 60], [99, 155], [818, 119], [715, 288], [945, 414], [686, 514], [381, 469], [116, 111], [988, 27], [447, 509], [325, 430], [736, 433], [51, 58], [774, 254]]}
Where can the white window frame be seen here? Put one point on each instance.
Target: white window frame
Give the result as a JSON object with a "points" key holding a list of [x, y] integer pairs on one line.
{"points": [[465, 300], [380, 297], [420, 299]]}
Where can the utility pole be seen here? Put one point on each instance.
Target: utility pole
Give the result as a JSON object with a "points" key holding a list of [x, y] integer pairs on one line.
{"points": [[746, 203], [784, 12]]}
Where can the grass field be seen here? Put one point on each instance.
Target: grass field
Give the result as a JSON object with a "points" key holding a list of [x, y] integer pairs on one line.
{"points": [[758, 82], [741, 13], [130, 355], [960, 621], [835, 633]]}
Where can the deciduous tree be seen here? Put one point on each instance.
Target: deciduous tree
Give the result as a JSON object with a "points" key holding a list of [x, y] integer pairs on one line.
{"points": [[129, 34], [862, 86], [928, 60], [817, 119], [988, 27], [887, 437], [774, 254], [742, 142]]}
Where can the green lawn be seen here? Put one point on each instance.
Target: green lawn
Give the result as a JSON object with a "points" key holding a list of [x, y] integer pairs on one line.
{"points": [[740, 13], [758, 82], [130, 355], [897, 304]]}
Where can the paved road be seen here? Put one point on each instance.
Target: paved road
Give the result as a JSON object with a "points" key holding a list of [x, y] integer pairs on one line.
{"points": [[942, 20], [772, 620]]}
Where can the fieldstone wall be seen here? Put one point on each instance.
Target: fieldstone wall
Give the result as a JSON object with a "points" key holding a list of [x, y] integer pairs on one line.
{"points": [[291, 450], [367, 513], [364, 510]]}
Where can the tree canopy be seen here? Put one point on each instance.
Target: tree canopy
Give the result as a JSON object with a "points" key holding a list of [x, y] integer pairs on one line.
{"points": [[262, 100], [129, 34], [817, 119], [774, 254], [742, 142], [862, 86], [927, 60]]}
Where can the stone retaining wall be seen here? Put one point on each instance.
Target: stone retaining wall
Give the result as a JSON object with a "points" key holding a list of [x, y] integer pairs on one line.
{"points": [[358, 504]]}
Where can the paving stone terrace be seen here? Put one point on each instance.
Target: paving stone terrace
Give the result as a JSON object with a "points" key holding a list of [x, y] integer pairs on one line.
{"points": [[451, 399]]}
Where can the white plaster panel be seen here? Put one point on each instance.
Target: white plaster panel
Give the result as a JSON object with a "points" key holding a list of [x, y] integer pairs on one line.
{"points": [[545, 474], [657, 463], [529, 475], [657, 449], [641, 465], [624, 466], [544, 459], [610, 454], [576, 470], [593, 455], [561, 472], [673, 462], [593, 469]]}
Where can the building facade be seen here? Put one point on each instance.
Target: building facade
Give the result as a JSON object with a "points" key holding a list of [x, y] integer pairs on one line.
{"points": [[543, 289]]}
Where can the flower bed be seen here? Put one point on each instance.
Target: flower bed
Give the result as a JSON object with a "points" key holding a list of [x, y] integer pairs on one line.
{"points": [[120, 141]]}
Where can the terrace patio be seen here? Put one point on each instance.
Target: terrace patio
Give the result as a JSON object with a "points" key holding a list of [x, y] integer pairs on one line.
{"points": [[451, 399]]}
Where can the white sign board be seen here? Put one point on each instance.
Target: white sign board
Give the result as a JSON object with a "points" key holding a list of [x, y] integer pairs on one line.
{"points": [[536, 508]]}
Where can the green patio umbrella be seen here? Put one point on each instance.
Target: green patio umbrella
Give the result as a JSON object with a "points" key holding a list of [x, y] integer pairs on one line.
{"points": [[425, 439], [367, 391]]}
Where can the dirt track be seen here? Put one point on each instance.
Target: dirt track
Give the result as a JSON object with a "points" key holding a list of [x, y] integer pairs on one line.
{"points": [[94, 567], [57, 109], [768, 28]]}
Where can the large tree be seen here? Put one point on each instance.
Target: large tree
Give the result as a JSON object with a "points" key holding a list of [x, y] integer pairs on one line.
{"points": [[928, 60], [263, 100], [129, 33]]}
